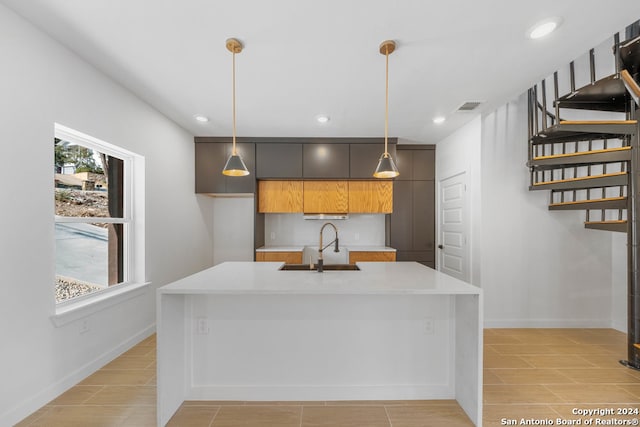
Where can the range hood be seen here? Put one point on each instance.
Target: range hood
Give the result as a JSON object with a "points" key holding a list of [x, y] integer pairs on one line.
{"points": [[326, 216]]}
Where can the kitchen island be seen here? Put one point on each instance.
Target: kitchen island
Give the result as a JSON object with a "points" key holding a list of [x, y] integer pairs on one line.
{"points": [[248, 331]]}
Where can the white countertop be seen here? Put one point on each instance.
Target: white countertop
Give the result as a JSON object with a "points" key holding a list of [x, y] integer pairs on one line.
{"points": [[352, 248], [374, 278]]}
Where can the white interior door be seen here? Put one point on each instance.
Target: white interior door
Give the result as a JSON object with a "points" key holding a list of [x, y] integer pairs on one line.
{"points": [[453, 253]]}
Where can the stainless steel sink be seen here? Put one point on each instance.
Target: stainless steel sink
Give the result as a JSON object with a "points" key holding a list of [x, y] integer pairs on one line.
{"points": [[326, 267]]}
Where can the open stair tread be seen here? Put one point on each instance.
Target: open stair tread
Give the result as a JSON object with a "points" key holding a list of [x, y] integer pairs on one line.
{"points": [[592, 181], [606, 94], [584, 130], [619, 225], [575, 202], [583, 153], [637, 345], [580, 158]]}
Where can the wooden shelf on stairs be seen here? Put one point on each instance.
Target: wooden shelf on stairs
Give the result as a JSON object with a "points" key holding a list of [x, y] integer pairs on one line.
{"points": [[584, 130], [593, 181], [607, 155], [604, 203], [614, 225]]}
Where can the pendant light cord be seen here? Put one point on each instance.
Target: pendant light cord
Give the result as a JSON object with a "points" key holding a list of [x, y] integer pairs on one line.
{"points": [[386, 102], [233, 149]]}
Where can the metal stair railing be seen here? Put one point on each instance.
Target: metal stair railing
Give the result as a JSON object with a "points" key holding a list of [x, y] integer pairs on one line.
{"points": [[602, 179]]}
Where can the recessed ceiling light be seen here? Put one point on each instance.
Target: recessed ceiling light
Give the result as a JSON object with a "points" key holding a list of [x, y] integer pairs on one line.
{"points": [[439, 119], [543, 28], [322, 119], [200, 118]]}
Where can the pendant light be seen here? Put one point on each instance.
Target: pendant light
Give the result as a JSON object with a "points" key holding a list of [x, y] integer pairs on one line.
{"points": [[235, 166], [386, 168]]}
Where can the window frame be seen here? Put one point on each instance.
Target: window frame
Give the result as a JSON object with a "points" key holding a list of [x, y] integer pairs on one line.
{"points": [[133, 230]]}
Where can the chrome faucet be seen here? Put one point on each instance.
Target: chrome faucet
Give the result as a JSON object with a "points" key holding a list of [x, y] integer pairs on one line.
{"points": [[321, 248]]}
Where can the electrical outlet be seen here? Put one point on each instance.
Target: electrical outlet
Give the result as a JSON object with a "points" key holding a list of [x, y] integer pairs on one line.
{"points": [[357, 236], [428, 327], [273, 235], [202, 326]]}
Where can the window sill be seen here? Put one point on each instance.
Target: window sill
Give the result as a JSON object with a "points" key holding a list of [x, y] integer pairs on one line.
{"points": [[72, 311]]}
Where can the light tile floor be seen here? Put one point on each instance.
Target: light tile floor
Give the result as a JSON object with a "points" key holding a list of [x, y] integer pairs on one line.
{"points": [[530, 374]]}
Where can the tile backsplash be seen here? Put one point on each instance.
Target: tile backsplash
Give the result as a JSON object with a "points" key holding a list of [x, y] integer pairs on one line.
{"points": [[293, 229]]}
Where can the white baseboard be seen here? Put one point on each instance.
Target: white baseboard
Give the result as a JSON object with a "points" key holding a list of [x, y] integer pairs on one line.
{"points": [[315, 393], [29, 406], [547, 323]]}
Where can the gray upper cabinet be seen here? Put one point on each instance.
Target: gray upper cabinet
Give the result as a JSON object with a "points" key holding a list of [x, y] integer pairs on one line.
{"points": [[276, 160], [404, 163], [209, 162], [242, 184], [412, 223], [325, 160], [416, 163], [424, 162], [364, 158], [210, 159]]}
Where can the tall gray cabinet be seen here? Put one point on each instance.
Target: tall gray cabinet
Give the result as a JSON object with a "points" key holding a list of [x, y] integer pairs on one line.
{"points": [[412, 223]]}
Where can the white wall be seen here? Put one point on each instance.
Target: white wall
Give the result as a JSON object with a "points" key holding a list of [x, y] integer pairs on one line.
{"points": [[233, 223], [43, 83], [460, 153], [294, 230], [539, 268], [619, 288]]}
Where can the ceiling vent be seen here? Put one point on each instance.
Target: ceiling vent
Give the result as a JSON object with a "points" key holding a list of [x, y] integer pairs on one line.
{"points": [[469, 106]]}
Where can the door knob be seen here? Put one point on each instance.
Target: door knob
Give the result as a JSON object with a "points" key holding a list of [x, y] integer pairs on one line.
{"points": [[440, 247]]}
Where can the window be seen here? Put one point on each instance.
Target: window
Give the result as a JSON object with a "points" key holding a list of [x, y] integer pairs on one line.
{"points": [[98, 235]]}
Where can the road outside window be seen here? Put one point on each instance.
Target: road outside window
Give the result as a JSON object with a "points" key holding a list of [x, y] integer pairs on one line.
{"points": [[90, 221]]}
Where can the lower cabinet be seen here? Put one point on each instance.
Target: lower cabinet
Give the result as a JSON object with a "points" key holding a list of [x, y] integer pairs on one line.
{"points": [[359, 256], [286, 257]]}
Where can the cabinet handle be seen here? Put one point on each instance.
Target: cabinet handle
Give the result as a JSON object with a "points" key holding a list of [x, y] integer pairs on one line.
{"points": [[440, 247]]}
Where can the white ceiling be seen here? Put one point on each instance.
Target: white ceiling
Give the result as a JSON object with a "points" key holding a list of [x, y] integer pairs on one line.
{"points": [[304, 58]]}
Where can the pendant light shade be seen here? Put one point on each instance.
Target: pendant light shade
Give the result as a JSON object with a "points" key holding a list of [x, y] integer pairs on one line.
{"points": [[235, 166], [386, 167]]}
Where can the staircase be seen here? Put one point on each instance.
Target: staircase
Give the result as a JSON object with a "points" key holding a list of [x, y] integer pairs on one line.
{"points": [[584, 147]]}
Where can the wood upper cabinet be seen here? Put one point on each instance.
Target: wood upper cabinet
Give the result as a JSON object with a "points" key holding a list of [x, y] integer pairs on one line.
{"points": [[325, 160], [280, 196], [326, 196], [370, 196]]}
